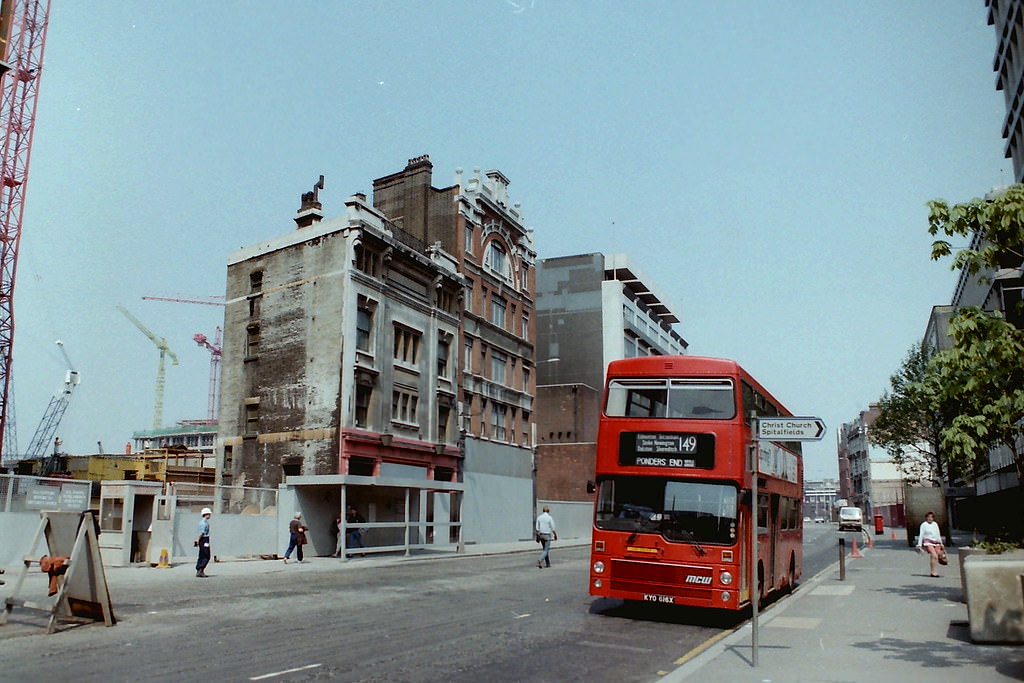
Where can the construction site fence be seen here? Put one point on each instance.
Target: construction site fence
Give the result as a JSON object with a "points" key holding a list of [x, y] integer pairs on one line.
{"points": [[21, 493]]}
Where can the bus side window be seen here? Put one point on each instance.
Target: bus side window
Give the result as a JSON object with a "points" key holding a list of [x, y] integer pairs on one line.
{"points": [[762, 513]]}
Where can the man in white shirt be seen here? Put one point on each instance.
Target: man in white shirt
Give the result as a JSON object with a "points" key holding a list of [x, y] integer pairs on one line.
{"points": [[545, 529]]}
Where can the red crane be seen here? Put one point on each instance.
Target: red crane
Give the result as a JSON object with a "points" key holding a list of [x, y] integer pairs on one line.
{"points": [[23, 23], [215, 352]]}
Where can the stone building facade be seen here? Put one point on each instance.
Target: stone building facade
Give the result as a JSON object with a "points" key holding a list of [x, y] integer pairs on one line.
{"points": [[389, 347]]}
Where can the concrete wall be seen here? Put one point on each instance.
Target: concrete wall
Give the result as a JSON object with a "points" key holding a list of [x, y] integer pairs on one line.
{"points": [[496, 507], [572, 519]]}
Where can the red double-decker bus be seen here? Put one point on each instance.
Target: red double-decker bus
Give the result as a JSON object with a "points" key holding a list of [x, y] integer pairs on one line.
{"points": [[674, 508]]}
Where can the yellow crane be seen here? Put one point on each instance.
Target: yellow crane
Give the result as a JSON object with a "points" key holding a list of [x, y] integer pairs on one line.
{"points": [[165, 350]]}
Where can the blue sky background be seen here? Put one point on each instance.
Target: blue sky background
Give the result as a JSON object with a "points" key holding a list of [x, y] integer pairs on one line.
{"points": [[766, 164]]}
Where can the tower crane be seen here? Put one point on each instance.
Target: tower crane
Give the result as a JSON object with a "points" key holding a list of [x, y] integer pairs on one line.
{"points": [[23, 26], [165, 350], [54, 412], [215, 350]]}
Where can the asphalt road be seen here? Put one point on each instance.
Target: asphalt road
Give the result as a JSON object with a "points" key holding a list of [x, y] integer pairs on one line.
{"points": [[495, 618]]}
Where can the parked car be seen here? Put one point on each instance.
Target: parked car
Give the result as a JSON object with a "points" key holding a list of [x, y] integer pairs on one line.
{"points": [[819, 520], [850, 519]]}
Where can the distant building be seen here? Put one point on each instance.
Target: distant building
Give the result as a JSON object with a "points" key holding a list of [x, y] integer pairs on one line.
{"points": [[820, 499], [591, 309], [194, 437]]}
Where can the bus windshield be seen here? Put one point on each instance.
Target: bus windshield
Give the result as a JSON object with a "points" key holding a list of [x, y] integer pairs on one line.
{"points": [[679, 510], [701, 399]]}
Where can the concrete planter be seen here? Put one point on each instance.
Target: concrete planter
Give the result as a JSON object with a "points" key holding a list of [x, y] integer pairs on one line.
{"points": [[995, 602], [962, 554]]}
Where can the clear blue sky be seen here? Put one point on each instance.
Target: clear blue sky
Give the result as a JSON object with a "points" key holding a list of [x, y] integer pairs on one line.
{"points": [[766, 164]]}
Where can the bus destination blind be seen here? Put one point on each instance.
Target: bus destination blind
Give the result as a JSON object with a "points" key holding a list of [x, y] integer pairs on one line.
{"points": [[667, 449]]}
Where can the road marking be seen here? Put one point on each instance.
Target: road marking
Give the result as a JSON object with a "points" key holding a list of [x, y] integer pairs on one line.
{"points": [[615, 646], [705, 645], [286, 671], [522, 616]]}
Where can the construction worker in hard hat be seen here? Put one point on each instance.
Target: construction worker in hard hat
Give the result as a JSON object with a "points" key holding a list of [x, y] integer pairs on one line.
{"points": [[203, 543]]}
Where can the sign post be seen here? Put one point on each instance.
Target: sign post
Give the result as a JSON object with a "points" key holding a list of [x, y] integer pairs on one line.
{"points": [[770, 429]]}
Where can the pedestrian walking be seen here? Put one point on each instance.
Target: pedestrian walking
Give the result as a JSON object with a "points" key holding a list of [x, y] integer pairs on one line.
{"points": [[296, 538], [354, 532], [203, 543], [545, 529], [929, 538]]}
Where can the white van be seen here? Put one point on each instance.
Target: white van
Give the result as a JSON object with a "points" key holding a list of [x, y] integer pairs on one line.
{"points": [[850, 519]]}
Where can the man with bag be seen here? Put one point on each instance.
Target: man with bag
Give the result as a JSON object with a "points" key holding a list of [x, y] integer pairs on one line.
{"points": [[203, 543], [545, 530]]}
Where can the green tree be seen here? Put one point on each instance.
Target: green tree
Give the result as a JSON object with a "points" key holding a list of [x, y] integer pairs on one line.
{"points": [[984, 374], [984, 371], [910, 420], [995, 227]]}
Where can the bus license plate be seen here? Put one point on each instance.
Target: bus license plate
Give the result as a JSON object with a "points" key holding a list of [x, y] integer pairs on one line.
{"points": [[668, 599]]}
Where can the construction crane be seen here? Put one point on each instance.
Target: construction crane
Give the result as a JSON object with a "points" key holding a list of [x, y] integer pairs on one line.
{"points": [[210, 301], [54, 412], [215, 350], [23, 26], [165, 350]]}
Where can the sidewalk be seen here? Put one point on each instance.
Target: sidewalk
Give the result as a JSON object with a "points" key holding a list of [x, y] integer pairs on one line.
{"points": [[888, 621]]}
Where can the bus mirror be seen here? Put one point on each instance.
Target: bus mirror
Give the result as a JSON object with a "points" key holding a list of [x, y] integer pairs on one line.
{"points": [[590, 486], [745, 497]]}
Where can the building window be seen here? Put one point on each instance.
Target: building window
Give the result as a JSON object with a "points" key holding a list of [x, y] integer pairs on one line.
{"points": [[497, 261], [499, 361], [468, 296], [526, 378], [254, 306], [367, 261], [252, 340], [363, 394], [252, 418], [407, 346], [467, 362], [526, 326], [446, 301], [442, 357], [469, 239], [403, 406], [498, 421], [498, 306], [443, 417], [364, 324], [255, 281]]}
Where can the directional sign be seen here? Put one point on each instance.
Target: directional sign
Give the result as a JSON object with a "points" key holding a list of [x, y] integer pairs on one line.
{"points": [[790, 428]]}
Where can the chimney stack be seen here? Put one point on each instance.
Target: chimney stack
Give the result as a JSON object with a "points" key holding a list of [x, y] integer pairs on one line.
{"points": [[311, 210]]}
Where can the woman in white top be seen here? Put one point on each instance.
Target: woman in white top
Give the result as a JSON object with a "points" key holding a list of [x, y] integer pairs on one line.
{"points": [[930, 539]]}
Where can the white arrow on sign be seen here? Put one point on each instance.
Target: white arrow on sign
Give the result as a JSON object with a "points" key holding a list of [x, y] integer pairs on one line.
{"points": [[790, 428]]}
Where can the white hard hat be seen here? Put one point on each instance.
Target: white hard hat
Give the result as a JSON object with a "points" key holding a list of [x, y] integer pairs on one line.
{"points": [[206, 511], [297, 515]]}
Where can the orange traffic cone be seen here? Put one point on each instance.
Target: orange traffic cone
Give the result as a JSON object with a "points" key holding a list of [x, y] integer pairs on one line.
{"points": [[894, 534], [871, 541], [163, 563], [855, 552]]}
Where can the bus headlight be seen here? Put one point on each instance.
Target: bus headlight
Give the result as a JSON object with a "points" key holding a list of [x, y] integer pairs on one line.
{"points": [[598, 583], [725, 578], [599, 567], [726, 596]]}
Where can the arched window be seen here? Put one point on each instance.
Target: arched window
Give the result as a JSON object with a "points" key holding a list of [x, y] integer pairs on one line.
{"points": [[498, 261]]}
